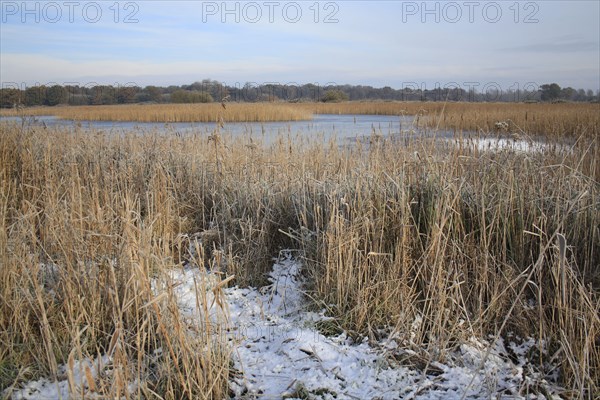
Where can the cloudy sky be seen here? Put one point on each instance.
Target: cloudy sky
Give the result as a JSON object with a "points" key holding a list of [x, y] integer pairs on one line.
{"points": [[380, 43]]}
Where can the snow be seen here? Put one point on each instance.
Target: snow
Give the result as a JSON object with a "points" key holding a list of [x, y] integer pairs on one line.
{"points": [[514, 145], [278, 352], [45, 389]]}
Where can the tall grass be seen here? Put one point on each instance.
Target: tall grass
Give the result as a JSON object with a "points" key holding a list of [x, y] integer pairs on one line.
{"points": [[89, 225], [466, 243], [433, 243], [238, 112], [547, 120]]}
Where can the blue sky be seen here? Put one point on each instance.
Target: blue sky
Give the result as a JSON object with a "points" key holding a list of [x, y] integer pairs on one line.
{"points": [[509, 44]]}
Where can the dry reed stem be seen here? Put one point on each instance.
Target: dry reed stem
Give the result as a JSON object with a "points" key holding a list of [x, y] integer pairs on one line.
{"points": [[434, 242]]}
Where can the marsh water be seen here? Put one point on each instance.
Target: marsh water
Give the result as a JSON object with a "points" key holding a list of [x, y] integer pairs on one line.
{"points": [[345, 129], [326, 126]]}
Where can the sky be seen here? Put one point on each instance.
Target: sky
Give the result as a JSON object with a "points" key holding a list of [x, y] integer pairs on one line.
{"points": [[468, 44]]}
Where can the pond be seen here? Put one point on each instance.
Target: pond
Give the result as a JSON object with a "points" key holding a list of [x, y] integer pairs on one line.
{"points": [[346, 129]]}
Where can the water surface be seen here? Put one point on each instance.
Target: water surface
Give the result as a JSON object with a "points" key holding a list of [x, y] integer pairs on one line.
{"points": [[326, 126]]}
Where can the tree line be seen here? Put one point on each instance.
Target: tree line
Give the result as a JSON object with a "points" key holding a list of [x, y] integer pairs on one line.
{"points": [[207, 91]]}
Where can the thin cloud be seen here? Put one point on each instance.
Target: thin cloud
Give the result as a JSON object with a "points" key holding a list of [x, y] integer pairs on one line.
{"points": [[173, 44], [564, 44]]}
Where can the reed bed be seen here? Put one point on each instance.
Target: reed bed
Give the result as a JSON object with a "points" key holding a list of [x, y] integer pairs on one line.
{"points": [[568, 120], [562, 120], [213, 112], [536, 119], [433, 244], [89, 227]]}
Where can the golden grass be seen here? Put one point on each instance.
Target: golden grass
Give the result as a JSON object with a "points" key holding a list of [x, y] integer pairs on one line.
{"points": [[88, 224], [556, 120], [472, 243], [213, 112]]}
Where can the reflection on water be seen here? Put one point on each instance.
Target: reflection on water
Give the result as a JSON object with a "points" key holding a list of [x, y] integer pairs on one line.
{"points": [[325, 126]]}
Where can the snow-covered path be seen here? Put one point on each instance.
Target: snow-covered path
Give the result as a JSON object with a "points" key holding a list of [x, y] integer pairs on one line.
{"points": [[280, 354]]}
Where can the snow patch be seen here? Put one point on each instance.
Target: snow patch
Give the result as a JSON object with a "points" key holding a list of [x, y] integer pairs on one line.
{"points": [[518, 145], [278, 352], [45, 389]]}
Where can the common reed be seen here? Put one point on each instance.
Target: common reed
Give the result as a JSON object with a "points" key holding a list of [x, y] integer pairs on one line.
{"points": [[543, 119], [524, 119], [238, 112], [89, 227], [429, 241]]}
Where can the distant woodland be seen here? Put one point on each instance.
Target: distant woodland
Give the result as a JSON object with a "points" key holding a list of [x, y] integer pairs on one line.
{"points": [[208, 91]]}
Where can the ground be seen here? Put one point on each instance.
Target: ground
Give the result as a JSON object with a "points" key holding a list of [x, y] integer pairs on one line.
{"points": [[279, 353]]}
